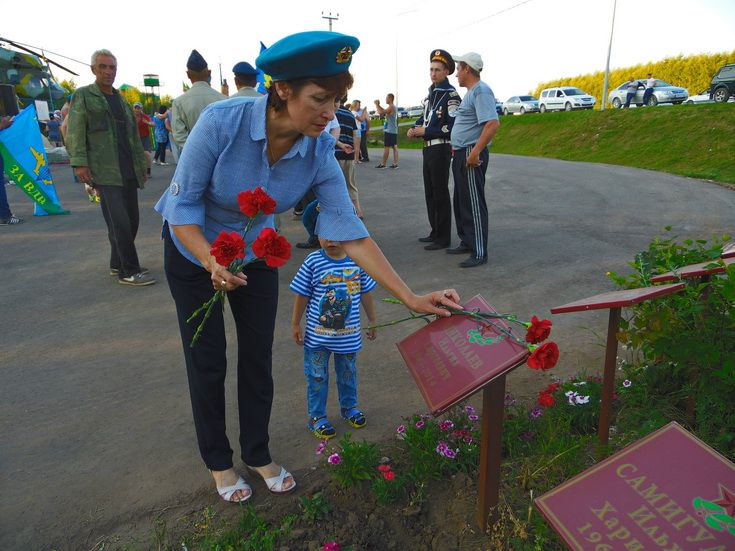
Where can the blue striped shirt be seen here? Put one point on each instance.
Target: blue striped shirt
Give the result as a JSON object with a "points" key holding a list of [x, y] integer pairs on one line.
{"points": [[226, 153], [334, 289]]}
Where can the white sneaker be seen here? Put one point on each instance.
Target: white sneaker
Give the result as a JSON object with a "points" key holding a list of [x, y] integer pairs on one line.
{"points": [[138, 280]]}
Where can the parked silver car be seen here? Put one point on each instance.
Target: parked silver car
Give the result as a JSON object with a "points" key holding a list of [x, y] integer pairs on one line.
{"points": [[520, 104], [663, 92]]}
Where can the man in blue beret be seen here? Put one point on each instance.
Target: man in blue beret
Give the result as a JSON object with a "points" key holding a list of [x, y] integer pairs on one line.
{"points": [[187, 107], [246, 79]]}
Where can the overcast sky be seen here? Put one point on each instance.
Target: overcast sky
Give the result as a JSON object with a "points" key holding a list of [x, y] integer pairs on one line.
{"points": [[522, 42]]}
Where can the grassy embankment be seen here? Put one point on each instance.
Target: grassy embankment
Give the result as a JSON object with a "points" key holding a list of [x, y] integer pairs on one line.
{"points": [[689, 140]]}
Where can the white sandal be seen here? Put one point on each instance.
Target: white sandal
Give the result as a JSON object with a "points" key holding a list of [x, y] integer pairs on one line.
{"points": [[227, 492], [275, 483]]}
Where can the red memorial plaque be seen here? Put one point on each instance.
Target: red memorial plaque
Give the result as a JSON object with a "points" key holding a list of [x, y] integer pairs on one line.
{"points": [[668, 490], [618, 299], [450, 358], [695, 270], [728, 250]]}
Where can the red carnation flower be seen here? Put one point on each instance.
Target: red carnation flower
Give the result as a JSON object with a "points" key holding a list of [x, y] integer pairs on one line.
{"points": [[544, 356], [273, 248], [551, 388], [254, 201], [384, 468], [389, 475], [538, 331], [546, 400], [227, 247]]}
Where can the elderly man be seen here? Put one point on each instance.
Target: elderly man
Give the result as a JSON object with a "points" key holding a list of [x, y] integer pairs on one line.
{"points": [[107, 155], [188, 106], [246, 79], [475, 125], [435, 127]]}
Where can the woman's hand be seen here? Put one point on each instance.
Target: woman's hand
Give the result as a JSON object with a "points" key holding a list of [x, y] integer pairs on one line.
{"points": [[223, 279], [431, 303]]}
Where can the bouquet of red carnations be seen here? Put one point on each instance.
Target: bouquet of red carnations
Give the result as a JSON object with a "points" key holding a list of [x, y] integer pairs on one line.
{"points": [[230, 248]]}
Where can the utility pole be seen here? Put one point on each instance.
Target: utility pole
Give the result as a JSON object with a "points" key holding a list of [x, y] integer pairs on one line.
{"points": [[603, 101], [331, 18]]}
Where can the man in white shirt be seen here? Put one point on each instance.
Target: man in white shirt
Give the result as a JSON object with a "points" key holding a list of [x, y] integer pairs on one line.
{"points": [[650, 83]]}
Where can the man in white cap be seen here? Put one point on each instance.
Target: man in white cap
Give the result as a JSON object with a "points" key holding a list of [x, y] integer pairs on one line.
{"points": [[475, 124]]}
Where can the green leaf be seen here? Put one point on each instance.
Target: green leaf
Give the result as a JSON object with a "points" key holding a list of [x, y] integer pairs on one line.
{"points": [[713, 523]]}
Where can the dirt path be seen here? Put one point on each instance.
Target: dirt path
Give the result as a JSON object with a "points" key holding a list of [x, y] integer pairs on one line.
{"points": [[95, 421]]}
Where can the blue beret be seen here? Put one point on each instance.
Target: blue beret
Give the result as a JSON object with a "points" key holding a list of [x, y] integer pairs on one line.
{"points": [[308, 54], [244, 68], [196, 62]]}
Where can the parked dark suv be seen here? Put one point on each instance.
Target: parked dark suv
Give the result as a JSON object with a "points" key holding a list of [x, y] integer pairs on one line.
{"points": [[723, 83]]}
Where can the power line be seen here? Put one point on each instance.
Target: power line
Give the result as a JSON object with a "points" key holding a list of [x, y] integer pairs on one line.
{"points": [[509, 8], [44, 50]]}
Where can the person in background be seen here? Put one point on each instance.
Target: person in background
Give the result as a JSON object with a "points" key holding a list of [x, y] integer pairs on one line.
{"points": [[107, 155], [246, 79], [330, 287], [358, 133], [435, 127], [363, 120], [475, 125], [344, 151], [631, 89], [53, 126], [390, 134], [144, 124], [6, 216], [188, 106], [648, 92], [236, 146], [161, 132]]}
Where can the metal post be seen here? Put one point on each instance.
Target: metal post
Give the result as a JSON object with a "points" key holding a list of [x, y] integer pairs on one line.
{"points": [[603, 101], [331, 18], [608, 381], [491, 443]]}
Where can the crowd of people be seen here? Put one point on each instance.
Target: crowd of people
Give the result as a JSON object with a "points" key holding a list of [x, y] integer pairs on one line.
{"points": [[302, 141]]}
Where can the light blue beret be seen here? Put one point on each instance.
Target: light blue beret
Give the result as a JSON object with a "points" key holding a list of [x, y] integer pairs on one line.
{"points": [[308, 54]]}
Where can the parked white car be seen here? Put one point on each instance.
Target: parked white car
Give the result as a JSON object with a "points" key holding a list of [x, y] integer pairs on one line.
{"points": [[415, 112], [565, 98], [702, 97]]}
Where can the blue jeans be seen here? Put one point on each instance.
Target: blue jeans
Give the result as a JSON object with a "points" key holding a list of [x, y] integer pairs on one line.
{"points": [[308, 218], [316, 369]]}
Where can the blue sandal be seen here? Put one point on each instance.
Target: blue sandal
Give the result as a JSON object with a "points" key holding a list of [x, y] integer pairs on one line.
{"points": [[354, 417], [321, 428]]}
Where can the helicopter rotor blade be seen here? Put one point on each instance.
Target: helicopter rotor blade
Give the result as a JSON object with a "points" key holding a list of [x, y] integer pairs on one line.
{"points": [[40, 55]]}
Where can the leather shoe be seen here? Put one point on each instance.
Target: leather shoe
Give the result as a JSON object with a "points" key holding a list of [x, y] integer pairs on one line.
{"points": [[436, 246], [310, 244], [427, 239], [472, 261], [459, 249]]}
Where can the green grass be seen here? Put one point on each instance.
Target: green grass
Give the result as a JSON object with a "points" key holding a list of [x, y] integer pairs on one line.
{"points": [[689, 140]]}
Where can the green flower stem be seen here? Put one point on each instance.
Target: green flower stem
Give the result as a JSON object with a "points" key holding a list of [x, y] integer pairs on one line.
{"points": [[207, 308]]}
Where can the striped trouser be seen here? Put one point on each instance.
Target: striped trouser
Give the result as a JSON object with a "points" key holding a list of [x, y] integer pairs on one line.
{"points": [[470, 208]]}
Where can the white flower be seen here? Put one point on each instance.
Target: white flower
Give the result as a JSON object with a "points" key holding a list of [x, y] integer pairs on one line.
{"points": [[581, 399], [580, 383], [572, 397], [627, 383], [569, 393]]}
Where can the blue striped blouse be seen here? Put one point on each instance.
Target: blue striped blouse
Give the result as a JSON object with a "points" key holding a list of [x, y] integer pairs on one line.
{"points": [[226, 154]]}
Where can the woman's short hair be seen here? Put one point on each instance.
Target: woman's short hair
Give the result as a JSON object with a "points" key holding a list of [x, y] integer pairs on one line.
{"points": [[336, 84]]}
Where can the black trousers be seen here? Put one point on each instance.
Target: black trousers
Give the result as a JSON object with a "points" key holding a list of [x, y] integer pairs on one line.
{"points": [[119, 206], [437, 160], [161, 151], [363, 147], [254, 310], [470, 208]]}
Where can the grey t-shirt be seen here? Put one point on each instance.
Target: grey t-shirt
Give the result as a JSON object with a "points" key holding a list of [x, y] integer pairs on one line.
{"points": [[391, 121], [477, 108]]}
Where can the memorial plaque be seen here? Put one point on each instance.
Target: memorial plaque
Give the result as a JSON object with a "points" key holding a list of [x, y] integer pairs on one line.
{"points": [[695, 270], [728, 250], [618, 299], [668, 490], [451, 358]]}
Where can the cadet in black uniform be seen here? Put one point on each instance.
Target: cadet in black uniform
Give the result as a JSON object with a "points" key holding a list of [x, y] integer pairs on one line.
{"points": [[434, 127]]}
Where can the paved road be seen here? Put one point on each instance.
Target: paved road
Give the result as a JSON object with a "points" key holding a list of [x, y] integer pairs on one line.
{"points": [[95, 423]]}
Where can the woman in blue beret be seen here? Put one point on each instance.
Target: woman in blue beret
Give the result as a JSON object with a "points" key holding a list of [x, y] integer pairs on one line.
{"points": [[274, 141]]}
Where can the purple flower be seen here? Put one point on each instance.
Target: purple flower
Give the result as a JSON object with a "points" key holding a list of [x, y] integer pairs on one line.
{"points": [[320, 447], [449, 453], [441, 448], [579, 399], [509, 400], [536, 412], [467, 439], [334, 459], [469, 409], [472, 417], [446, 425], [419, 424], [627, 383], [400, 429]]}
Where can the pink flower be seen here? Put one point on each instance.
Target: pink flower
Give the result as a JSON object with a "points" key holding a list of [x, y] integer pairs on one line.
{"points": [[320, 447], [389, 475], [473, 417], [334, 459], [400, 429], [441, 448], [419, 424], [449, 453], [469, 409], [446, 425], [331, 546]]}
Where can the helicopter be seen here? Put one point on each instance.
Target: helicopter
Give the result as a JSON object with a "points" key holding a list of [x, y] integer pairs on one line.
{"points": [[29, 72]]}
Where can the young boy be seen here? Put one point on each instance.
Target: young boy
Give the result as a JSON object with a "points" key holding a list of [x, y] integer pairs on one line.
{"points": [[330, 287]]}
